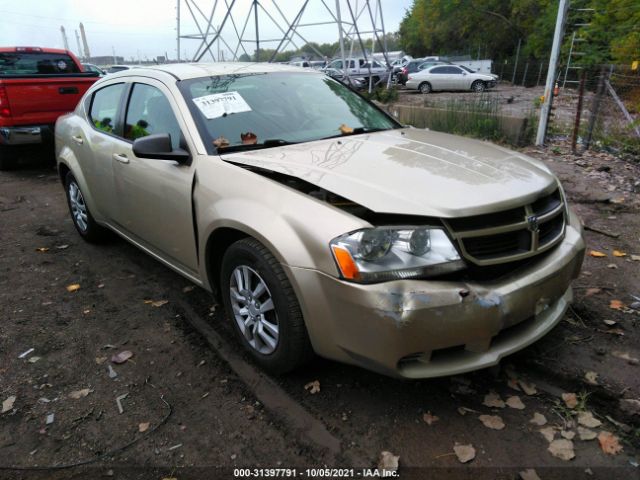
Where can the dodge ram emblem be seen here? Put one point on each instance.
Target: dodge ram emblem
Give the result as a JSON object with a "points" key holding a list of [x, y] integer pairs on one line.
{"points": [[532, 223]]}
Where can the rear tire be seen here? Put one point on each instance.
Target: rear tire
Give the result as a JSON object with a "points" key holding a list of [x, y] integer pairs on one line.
{"points": [[425, 87], [263, 307], [478, 86], [86, 226]]}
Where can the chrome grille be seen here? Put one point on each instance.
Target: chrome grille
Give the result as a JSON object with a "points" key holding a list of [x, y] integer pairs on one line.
{"points": [[512, 234]]}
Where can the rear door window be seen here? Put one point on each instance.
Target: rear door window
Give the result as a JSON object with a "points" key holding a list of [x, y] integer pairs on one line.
{"points": [[105, 107], [36, 63]]}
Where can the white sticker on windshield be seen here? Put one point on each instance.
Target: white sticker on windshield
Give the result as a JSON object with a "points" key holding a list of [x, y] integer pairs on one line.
{"points": [[219, 104]]}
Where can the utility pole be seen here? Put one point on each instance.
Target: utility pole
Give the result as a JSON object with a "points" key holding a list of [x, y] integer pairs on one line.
{"points": [[178, 28], [551, 74]]}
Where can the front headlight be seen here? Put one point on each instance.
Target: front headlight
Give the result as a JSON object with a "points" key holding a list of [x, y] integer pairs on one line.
{"points": [[389, 253]]}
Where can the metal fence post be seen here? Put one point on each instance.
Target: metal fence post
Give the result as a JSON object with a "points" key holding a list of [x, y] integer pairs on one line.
{"points": [[595, 107], [576, 127]]}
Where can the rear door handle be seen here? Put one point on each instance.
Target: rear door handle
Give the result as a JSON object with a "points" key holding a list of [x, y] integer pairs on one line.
{"points": [[121, 157], [78, 139], [67, 90]]}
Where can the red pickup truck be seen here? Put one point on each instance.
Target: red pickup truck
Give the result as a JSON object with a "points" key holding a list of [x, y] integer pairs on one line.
{"points": [[37, 85]]}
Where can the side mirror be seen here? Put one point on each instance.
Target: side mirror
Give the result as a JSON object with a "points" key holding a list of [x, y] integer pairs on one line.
{"points": [[158, 147]]}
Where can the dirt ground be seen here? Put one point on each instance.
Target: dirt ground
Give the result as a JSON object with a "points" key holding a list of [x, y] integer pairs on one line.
{"points": [[204, 414]]}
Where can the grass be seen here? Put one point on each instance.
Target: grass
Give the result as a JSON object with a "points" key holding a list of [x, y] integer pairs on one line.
{"points": [[475, 116]]}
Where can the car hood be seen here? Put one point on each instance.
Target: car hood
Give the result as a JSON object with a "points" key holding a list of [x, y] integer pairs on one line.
{"points": [[411, 171]]}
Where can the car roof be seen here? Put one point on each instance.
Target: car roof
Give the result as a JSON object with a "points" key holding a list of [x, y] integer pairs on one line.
{"points": [[186, 71]]}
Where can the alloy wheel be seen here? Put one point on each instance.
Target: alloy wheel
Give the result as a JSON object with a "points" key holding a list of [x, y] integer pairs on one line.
{"points": [[254, 310], [78, 206]]}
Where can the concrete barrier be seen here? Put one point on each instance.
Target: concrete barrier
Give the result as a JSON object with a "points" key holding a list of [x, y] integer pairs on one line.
{"points": [[513, 129]]}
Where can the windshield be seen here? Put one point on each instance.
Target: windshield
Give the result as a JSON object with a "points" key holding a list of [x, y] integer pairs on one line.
{"points": [[273, 109]]}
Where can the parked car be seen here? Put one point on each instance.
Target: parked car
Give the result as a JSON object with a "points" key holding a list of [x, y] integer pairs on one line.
{"points": [[357, 83], [37, 85], [118, 68], [321, 223], [90, 67], [360, 66], [449, 77], [414, 66], [301, 63]]}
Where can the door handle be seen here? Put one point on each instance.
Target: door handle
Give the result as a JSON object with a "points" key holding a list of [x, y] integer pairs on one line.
{"points": [[78, 139], [68, 90], [121, 157]]}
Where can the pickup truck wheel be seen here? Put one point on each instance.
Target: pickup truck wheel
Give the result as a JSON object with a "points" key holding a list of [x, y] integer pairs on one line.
{"points": [[478, 86], [263, 307], [8, 159], [425, 87], [80, 214]]}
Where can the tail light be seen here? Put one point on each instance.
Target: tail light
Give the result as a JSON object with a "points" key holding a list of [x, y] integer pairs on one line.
{"points": [[5, 111]]}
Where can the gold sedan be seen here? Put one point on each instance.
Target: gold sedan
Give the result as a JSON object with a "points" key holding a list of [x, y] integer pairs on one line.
{"points": [[322, 224]]}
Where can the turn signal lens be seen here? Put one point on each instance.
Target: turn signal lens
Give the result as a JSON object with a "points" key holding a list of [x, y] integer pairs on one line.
{"points": [[347, 266]]}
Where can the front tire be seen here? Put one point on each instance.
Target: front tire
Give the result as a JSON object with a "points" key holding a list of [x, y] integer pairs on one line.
{"points": [[425, 87], [478, 86], [263, 307], [86, 226]]}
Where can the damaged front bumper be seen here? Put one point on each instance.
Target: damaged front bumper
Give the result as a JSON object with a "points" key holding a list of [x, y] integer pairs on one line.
{"points": [[431, 328]]}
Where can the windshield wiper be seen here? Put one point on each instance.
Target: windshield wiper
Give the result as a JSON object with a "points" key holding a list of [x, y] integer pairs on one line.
{"points": [[272, 142], [356, 131]]}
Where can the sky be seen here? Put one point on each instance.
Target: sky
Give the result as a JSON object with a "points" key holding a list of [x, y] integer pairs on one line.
{"points": [[145, 29]]}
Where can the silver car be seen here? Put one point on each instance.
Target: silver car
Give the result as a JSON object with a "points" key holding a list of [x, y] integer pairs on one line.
{"points": [[449, 77]]}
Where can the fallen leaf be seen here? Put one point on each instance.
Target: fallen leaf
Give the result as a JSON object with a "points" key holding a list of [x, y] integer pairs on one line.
{"points": [[591, 377], [62, 247], [344, 129], [493, 400], [220, 142], [586, 434], [80, 393], [568, 434], [143, 427], [513, 383], [528, 388], [430, 419], [74, 287], [465, 453], [159, 303], [492, 421], [388, 461], [515, 402], [8, 403], [464, 410], [529, 474], [42, 249], [248, 138], [562, 449], [101, 360], [609, 443], [122, 357], [548, 433], [609, 323], [586, 419], [538, 419], [313, 387], [597, 254], [618, 253], [612, 266], [616, 304], [188, 288], [33, 359], [592, 291], [570, 400], [625, 356], [635, 258]]}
